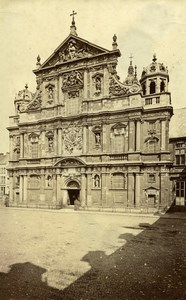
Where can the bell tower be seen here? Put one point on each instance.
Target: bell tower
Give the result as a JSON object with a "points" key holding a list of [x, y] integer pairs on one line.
{"points": [[154, 81]]}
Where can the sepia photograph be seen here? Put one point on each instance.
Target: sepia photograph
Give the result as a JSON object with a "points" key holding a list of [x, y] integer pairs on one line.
{"points": [[93, 150]]}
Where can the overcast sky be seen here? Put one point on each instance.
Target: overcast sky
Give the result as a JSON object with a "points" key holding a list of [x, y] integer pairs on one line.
{"points": [[143, 27]]}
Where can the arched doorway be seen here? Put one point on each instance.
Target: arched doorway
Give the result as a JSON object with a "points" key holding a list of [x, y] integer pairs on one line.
{"points": [[73, 191]]}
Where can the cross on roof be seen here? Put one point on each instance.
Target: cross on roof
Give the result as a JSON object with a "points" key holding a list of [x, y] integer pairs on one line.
{"points": [[73, 14], [131, 57]]}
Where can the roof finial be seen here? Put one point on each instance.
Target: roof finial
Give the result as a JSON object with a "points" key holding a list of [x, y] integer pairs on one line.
{"points": [[26, 86], [135, 74], [73, 26], [114, 44], [154, 58], [38, 63], [131, 57]]}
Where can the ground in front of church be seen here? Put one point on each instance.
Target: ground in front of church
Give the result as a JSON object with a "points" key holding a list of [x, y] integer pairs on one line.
{"points": [[73, 255]]}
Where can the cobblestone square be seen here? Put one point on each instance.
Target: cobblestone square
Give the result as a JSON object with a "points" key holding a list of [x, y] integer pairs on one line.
{"points": [[77, 255]]}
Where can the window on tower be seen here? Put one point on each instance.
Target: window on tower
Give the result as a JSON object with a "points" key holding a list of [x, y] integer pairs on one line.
{"points": [[152, 87], [162, 86], [144, 89]]}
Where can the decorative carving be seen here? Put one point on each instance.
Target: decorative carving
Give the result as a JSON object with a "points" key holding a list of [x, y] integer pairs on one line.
{"points": [[117, 89], [33, 137], [72, 138], [35, 104], [72, 82], [69, 162]]}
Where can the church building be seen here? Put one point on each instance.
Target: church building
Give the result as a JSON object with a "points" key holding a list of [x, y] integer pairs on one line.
{"points": [[86, 135]]}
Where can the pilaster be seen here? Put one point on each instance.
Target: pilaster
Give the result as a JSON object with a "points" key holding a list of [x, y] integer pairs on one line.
{"points": [[131, 135]]}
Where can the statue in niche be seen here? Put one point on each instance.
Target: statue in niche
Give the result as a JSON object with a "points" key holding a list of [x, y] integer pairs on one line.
{"points": [[49, 181], [98, 84], [50, 93], [50, 144], [98, 138], [96, 181]]}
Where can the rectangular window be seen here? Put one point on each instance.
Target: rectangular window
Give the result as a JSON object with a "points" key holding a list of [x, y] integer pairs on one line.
{"points": [[118, 181], [152, 125], [119, 143], [148, 101], [34, 150], [180, 159], [157, 100], [180, 189], [73, 106], [151, 178], [34, 181]]}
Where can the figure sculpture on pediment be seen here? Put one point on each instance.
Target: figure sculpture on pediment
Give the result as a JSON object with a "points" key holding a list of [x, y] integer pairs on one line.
{"points": [[72, 52], [62, 56]]}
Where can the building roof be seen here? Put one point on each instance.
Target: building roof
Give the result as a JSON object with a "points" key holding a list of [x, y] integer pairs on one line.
{"points": [[178, 123], [4, 158]]}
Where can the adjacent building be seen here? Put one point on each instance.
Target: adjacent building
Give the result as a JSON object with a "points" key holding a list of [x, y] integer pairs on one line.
{"points": [[86, 135], [178, 153], [4, 179]]}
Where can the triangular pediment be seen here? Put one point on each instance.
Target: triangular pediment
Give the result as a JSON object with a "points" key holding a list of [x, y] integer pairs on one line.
{"points": [[71, 49]]}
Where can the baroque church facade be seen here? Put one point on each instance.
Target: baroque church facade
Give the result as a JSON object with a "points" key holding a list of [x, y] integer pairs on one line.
{"points": [[85, 135]]}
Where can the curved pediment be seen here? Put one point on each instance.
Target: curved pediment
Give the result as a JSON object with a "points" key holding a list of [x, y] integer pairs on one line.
{"points": [[69, 162]]}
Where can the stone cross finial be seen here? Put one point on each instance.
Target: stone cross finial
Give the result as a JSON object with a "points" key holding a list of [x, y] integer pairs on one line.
{"points": [[73, 14], [73, 26]]}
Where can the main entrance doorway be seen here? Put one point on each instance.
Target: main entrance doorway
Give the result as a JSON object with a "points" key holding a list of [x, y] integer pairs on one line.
{"points": [[73, 191], [73, 195]]}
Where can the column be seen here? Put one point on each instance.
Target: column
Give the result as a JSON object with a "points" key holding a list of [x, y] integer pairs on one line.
{"points": [[11, 191], [21, 145], [11, 146], [131, 135], [138, 135], [163, 134], [59, 141], [84, 139], [138, 191], [85, 84], [89, 188], [54, 196], [130, 192], [43, 144], [55, 142], [104, 138], [83, 190], [25, 186], [105, 82], [21, 189], [103, 189]]}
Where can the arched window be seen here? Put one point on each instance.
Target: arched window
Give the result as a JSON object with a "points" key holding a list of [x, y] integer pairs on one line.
{"points": [[162, 86], [152, 87], [144, 89]]}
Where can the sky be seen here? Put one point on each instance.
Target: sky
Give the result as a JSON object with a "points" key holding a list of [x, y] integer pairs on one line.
{"points": [[143, 27]]}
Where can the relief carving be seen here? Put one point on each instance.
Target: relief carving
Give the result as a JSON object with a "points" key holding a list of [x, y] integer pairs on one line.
{"points": [[72, 138], [75, 50], [72, 83], [117, 89]]}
